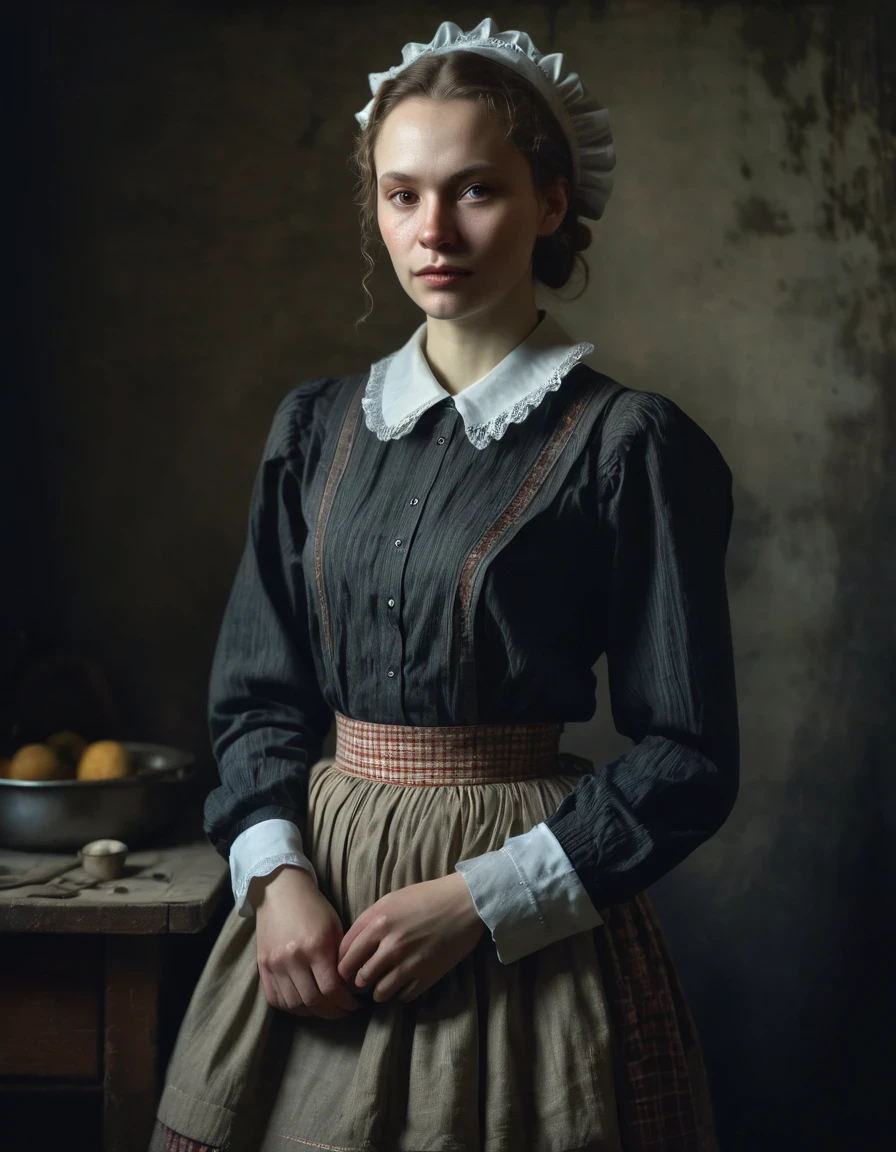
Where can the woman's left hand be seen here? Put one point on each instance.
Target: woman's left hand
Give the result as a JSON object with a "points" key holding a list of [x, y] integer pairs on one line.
{"points": [[410, 938]]}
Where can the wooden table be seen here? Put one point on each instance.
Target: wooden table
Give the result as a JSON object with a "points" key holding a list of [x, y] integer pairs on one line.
{"points": [[79, 978]]}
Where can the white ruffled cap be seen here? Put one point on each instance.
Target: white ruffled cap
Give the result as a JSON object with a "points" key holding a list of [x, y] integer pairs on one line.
{"points": [[585, 121]]}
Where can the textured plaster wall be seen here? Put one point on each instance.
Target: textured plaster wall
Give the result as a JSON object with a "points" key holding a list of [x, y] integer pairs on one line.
{"points": [[206, 261]]}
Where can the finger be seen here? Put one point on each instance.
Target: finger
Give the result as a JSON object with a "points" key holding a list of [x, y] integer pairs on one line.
{"points": [[374, 969], [331, 984], [410, 991], [357, 944], [290, 999], [345, 942], [391, 982], [358, 954], [272, 994], [312, 997], [357, 927]]}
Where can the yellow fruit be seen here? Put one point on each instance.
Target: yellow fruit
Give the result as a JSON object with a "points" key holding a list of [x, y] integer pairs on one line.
{"points": [[38, 762], [70, 745], [104, 760]]}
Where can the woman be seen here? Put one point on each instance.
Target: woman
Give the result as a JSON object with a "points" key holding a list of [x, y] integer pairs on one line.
{"points": [[439, 551]]}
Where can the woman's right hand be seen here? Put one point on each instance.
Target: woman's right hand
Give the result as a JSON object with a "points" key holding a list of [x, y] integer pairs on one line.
{"points": [[298, 934]]}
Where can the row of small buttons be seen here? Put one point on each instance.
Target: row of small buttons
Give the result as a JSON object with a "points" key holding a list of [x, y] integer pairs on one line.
{"points": [[414, 501]]}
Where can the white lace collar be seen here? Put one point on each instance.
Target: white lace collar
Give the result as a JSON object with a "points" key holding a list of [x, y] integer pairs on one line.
{"points": [[401, 386]]}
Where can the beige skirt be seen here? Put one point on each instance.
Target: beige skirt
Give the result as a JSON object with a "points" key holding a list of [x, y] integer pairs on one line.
{"points": [[531, 1055]]}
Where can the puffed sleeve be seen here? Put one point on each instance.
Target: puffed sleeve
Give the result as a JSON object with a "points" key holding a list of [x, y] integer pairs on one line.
{"points": [[665, 519], [267, 716]]}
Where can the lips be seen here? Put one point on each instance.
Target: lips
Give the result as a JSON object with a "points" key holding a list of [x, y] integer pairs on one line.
{"points": [[444, 272]]}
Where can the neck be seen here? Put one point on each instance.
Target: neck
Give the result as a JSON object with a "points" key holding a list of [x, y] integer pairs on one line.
{"points": [[460, 352]]}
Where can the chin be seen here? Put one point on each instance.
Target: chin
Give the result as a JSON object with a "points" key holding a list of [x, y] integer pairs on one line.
{"points": [[441, 309], [445, 303]]}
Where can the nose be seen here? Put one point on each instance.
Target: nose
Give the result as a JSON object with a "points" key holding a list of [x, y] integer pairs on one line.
{"points": [[438, 225]]}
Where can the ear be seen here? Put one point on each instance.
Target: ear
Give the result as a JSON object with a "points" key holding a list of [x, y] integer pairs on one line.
{"points": [[554, 204]]}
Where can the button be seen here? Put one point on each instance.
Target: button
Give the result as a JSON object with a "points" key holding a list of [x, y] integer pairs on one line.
{"points": [[391, 602], [397, 543], [415, 501], [390, 673], [441, 440]]}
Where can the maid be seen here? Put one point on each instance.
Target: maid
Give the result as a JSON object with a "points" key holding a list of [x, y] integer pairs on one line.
{"points": [[441, 940]]}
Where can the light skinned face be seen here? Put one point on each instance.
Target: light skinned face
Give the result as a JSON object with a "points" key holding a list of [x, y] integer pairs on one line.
{"points": [[435, 207]]}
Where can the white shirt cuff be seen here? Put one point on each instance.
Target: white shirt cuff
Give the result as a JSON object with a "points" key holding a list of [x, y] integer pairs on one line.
{"points": [[258, 851], [528, 894]]}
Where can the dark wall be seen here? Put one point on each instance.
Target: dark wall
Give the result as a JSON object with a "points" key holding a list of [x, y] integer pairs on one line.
{"points": [[187, 252], [29, 240]]}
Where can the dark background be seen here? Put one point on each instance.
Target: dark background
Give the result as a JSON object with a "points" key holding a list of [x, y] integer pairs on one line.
{"points": [[184, 250]]}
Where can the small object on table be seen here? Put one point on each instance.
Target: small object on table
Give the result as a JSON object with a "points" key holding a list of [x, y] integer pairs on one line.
{"points": [[104, 859]]}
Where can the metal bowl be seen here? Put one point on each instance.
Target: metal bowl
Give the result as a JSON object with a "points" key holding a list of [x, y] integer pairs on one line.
{"points": [[60, 815]]}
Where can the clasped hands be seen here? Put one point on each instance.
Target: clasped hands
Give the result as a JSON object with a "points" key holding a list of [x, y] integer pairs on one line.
{"points": [[399, 946]]}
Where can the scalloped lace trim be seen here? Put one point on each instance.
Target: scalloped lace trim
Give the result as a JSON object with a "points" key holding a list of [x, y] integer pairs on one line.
{"points": [[479, 435], [482, 434], [372, 403]]}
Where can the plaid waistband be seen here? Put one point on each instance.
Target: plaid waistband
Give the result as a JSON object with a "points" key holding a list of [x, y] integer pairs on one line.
{"points": [[461, 754]]}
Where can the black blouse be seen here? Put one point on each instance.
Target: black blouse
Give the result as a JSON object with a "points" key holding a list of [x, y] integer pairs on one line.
{"points": [[423, 581]]}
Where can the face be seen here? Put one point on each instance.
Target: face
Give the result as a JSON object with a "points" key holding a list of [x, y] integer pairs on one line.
{"points": [[451, 190]]}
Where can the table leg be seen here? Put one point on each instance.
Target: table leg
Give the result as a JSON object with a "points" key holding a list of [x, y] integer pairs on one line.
{"points": [[130, 1081]]}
